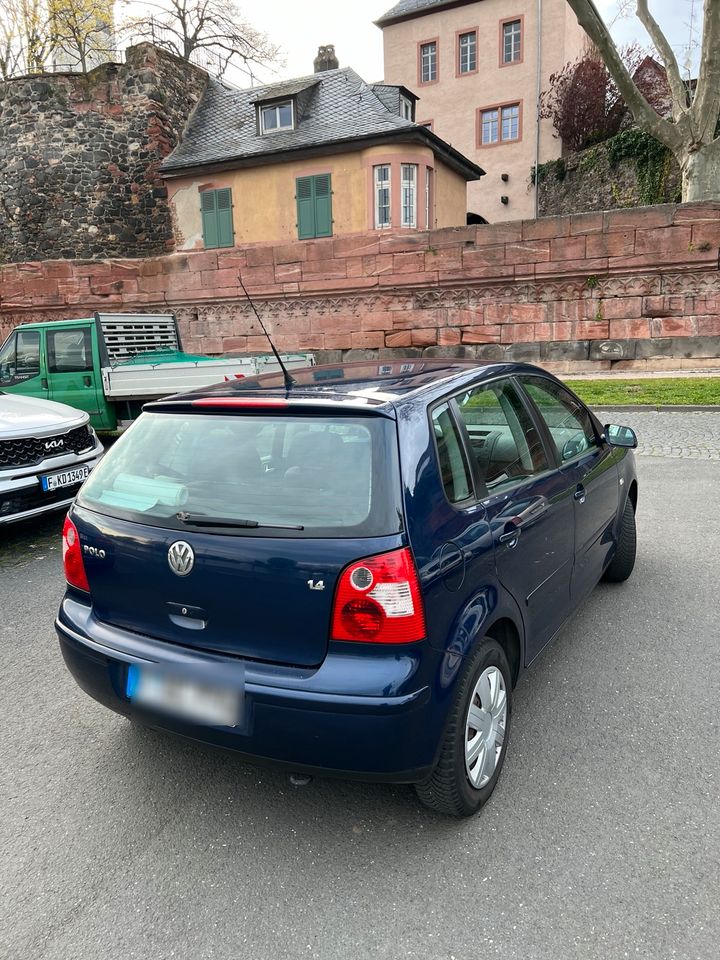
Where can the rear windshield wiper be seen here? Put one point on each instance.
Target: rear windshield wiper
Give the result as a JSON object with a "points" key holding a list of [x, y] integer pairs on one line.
{"points": [[203, 520]]}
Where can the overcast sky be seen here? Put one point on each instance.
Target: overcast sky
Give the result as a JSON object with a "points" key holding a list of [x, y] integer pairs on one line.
{"points": [[300, 27]]}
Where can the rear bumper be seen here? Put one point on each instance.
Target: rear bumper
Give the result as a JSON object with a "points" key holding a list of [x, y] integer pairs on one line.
{"points": [[299, 718]]}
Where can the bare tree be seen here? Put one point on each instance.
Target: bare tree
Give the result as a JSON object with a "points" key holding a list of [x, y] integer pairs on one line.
{"points": [[26, 40], [82, 31], [11, 52], [211, 29], [691, 132]]}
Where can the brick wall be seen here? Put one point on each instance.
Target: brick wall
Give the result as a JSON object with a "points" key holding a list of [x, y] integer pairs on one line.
{"points": [[79, 157], [627, 288]]}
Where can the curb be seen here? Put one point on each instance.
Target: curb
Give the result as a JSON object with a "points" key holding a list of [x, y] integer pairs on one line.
{"points": [[662, 408]]}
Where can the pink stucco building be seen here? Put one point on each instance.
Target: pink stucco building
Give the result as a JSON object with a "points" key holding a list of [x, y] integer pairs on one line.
{"points": [[478, 67]]}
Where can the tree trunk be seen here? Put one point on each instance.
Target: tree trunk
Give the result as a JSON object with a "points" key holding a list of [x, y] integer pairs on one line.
{"points": [[701, 173]]}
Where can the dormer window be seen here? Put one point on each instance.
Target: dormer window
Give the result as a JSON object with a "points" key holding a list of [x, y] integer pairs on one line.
{"points": [[277, 116], [406, 107]]}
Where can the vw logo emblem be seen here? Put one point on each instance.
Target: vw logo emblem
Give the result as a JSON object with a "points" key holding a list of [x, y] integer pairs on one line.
{"points": [[181, 558]]}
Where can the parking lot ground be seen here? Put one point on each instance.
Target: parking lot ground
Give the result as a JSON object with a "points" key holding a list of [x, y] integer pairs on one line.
{"points": [[602, 839]]}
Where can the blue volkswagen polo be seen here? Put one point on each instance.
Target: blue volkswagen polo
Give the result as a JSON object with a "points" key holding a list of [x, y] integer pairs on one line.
{"points": [[348, 575]]}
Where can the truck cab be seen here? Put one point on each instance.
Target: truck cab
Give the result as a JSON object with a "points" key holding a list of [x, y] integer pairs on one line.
{"points": [[58, 361]]}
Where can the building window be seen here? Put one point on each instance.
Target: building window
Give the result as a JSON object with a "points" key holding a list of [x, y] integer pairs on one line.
{"points": [[382, 196], [408, 187], [217, 218], [278, 116], [314, 206], [511, 41], [406, 108], [510, 118], [489, 126], [428, 62], [500, 124], [467, 52], [428, 199]]}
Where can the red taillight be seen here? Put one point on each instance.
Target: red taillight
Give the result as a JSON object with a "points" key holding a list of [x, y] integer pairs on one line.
{"points": [[72, 557], [378, 601], [232, 402]]}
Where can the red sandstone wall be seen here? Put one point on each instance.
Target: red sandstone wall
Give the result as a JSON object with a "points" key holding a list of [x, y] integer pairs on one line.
{"points": [[590, 287]]}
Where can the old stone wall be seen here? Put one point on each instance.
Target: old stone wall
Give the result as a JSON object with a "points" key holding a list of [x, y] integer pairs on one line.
{"points": [[79, 155], [594, 180], [627, 288]]}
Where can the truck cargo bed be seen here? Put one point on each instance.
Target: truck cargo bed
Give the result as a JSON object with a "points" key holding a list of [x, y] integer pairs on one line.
{"points": [[144, 381]]}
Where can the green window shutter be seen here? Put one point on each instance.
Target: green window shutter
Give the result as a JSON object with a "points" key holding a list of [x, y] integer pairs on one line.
{"points": [[208, 208], [323, 206], [226, 237], [304, 194], [217, 219], [314, 206]]}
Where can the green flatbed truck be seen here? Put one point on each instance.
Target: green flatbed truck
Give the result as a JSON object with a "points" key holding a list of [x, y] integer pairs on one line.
{"points": [[110, 364]]}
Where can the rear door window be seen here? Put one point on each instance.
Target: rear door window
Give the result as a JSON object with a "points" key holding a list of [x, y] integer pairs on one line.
{"points": [[505, 445], [334, 476], [451, 456], [69, 351]]}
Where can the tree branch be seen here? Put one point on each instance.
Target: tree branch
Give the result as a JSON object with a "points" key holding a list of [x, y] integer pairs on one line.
{"points": [[591, 21], [672, 71]]}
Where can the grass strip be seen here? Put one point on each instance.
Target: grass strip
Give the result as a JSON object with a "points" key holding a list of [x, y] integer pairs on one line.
{"points": [[669, 391]]}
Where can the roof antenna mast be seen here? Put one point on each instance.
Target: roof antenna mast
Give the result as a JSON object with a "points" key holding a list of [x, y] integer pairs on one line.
{"points": [[289, 382]]}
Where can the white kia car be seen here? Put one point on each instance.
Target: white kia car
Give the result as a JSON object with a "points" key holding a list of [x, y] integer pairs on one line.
{"points": [[47, 450]]}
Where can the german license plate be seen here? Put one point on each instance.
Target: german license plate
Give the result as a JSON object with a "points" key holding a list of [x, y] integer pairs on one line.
{"points": [[184, 697], [64, 478]]}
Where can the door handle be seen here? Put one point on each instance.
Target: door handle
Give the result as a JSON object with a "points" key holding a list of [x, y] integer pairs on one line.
{"points": [[510, 538], [87, 381], [43, 383], [580, 494]]}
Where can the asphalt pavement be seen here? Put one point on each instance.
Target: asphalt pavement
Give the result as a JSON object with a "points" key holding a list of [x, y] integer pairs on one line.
{"points": [[602, 839]]}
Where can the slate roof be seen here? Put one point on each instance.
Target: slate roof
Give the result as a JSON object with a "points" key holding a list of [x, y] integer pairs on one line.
{"points": [[412, 8], [334, 107]]}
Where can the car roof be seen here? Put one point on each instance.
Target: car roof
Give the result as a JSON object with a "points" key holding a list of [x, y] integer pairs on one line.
{"points": [[370, 383]]}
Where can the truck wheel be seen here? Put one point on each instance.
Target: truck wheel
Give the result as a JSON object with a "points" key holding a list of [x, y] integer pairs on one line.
{"points": [[476, 738], [621, 565]]}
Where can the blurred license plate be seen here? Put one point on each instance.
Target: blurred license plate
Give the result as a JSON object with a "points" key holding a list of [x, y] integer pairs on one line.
{"points": [[184, 697], [64, 478]]}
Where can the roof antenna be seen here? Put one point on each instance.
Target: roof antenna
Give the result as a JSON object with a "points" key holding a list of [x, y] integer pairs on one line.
{"points": [[289, 382]]}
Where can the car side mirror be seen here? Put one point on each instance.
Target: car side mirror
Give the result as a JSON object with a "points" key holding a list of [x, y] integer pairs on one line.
{"points": [[618, 436]]}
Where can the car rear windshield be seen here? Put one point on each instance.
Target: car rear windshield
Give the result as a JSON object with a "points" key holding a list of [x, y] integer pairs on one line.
{"points": [[332, 476]]}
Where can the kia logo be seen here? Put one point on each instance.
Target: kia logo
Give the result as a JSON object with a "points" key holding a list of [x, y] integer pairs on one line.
{"points": [[181, 558], [55, 444]]}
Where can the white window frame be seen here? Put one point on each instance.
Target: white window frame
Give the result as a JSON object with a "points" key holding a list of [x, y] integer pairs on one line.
{"points": [[464, 51], [276, 107], [512, 30], [510, 119], [428, 59], [408, 195], [492, 120], [379, 185], [406, 107], [428, 198]]}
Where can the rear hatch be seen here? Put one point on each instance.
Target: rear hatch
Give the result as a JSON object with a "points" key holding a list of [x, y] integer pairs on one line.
{"points": [[168, 555]]}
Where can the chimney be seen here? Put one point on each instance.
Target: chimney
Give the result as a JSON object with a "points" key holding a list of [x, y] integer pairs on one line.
{"points": [[326, 59]]}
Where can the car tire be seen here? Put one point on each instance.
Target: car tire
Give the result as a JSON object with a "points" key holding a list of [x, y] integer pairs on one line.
{"points": [[621, 565], [457, 786]]}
